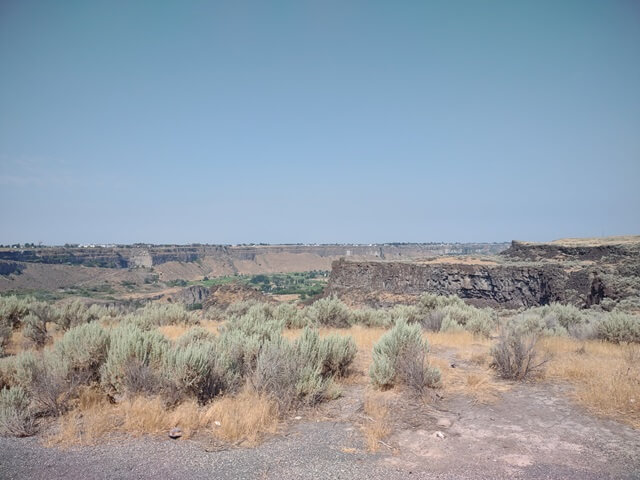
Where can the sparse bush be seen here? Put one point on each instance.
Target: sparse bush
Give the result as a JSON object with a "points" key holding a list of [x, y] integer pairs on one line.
{"points": [[16, 418], [238, 309], [134, 355], [302, 372], [459, 316], [196, 370], [51, 386], [409, 313], [73, 314], [432, 321], [619, 327], [515, 356], [258, 321], [330, 312], [156, 315], [35, 329], [338, 353], [18, 370], [13, 309], [429, 302], [277, 373], [370, 317], [5, 334], [399, 357], [195, 335], [84, 350], [290, 316], [533, 323], [554, 314]]}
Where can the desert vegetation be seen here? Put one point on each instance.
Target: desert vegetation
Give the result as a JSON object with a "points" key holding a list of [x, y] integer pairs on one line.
{"points": [[236, 373]]}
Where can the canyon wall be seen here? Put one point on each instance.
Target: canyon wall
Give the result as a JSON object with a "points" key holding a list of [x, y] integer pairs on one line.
{"points": [[526, 275]]}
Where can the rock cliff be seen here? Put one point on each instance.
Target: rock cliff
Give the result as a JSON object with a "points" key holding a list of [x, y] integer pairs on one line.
{"points": [[581, 275]]}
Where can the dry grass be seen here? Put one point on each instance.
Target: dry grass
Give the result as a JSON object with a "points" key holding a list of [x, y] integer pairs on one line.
{"points": [[606, 376], [458, 340], [245, 417], [377, 424], [478, 383], [241, 419], [173, 332]]}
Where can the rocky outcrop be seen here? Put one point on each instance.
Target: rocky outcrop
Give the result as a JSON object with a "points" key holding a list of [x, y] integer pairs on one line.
{"points": [[221, 296], [195, 294], [508, 285], [7, 268]]}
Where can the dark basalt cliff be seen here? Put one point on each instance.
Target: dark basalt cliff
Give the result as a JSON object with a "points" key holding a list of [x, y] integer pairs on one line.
{"points": [[577, 275]]}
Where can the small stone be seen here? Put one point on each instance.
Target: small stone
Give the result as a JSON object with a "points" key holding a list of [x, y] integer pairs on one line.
{"points": [[297, 418], [444, 423], [439, 434], [175, 433], [217, 423]]}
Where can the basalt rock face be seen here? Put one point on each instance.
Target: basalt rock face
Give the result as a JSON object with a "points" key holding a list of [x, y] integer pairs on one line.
{"points": [[510, 286], [528, 275], [221, 296], [7, 268], [195, 294]]}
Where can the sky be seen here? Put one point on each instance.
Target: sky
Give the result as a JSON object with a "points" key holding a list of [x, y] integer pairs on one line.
{"points": [[318, 122]]}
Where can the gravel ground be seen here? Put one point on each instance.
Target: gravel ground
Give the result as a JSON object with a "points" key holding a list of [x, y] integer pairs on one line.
{"points": [[532, 433]]}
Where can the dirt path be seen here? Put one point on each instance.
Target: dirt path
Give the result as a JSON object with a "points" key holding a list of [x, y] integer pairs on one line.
{"points": [[533, 432]]}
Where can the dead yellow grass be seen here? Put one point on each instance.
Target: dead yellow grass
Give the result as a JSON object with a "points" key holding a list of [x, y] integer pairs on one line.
{"points": [[606, 376], [377, 424], [240, 419], [478, 383], [173, 332], [245, 417], [458, 340]]}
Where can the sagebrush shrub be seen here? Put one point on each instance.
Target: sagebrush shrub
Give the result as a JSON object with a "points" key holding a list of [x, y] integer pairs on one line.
{"points": [[619, 327], [338, 353], [429, 302], [5, 334], [13, 309], [16, 418], [195, 335], [18, 370], [84, 349], [399, 355], [302, 372], [408, 313], [132, 350], [35, 329], [515, 356], [371, 317], [277, 373], [43, 376], [156, 315], [290, 316], [460, 316], [197, 370], [73, 314], [330, 312]]}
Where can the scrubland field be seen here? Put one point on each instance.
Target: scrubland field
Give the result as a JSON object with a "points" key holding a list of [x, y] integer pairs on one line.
{"points": [[413, 385]]}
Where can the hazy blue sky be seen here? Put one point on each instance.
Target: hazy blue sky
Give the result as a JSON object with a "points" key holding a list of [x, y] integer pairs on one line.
{"points": [[323, 121]]}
